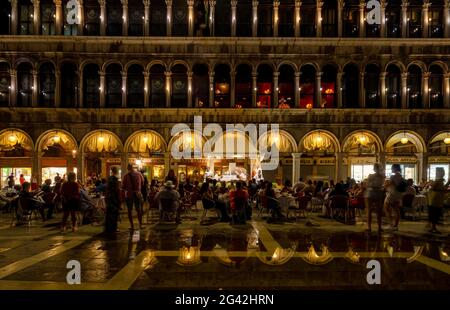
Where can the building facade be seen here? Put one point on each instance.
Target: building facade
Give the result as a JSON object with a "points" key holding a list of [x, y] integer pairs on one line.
{"points": [[107, 90]]}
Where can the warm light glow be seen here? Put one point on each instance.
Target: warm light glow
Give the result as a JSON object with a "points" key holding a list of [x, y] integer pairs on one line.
{"points": [[101, 139], [139, 162], [12, 138], [56, 139], [145, 139], [447, 140], [404, 140], [309, 106]]}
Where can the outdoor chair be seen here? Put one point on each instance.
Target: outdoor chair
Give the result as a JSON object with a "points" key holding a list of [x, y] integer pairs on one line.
{"points": [[339, 207], [169, 209], [208, 204]]}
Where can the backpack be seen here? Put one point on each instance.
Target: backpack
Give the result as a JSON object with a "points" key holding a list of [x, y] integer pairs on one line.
{"points": [[402, 186]]}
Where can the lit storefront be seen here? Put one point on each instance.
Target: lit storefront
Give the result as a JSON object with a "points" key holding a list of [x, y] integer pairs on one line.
{"points": [[439, 155]]}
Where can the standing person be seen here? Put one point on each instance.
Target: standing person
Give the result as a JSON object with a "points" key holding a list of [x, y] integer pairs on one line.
{"points": [[132, 184], [436, 197], [21, 179], [395, 187], [172, 177], [71, 200], [374, 196], [112, 202]]}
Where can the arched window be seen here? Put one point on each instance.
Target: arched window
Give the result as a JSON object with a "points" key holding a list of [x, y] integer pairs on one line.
{"points": [[329, 19], [26, 19], [350, 91], [179, 86], [91, 17], [200, 86], [5, 18], [135, 87], [435, 16], [135, 18], [394, 19], [222, 81], [415, 18], [265, 18], [113, 82], [180, 18], [414, 88], [69, 29], [436, 87], [223, 19], [158, 18], [244, 18], [5, 82], [286, 87], [48, 17], [351, 18], [286, 19], [307, 86], [264, 95], [201, 20], [114, 18], [308, 18], [393, 87], [91, 86], [69, 85], [244, 86], [24, 85], [371, 85], [328, 87], [47, 83], [157, 86]]}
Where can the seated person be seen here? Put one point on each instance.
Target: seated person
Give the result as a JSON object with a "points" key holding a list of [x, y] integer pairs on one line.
{"points": [[272, 202], [28, 202], [239, 199], [207, 195], [287, 188], [169, 194], [87, 208], [49, 198], [337, 191], [100, 186]]}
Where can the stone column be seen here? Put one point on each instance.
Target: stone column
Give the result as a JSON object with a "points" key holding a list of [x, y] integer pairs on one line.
{"points": [[275, 89], [36, 169], [80, 172], [319, 5], [254, 88], [297, 90], [36, 17], [146, 89], [14, 22], [297, 17], [190, 4], [212, 17], [276, 5], [102, 89], [447, 90], [426, 90], [338, 166], [124, 89], [58, 16], [296, 163], [169, 18], [125, 18], [425, 23], [318, 90], [404, 18], [57, 102], [255, 18], [446, 19], [340, 14], [422, 161], [212, 104], [102, 17], [362, 17], [339, 77], [189, 75], [382, 89], [80, 28], [233, 88], [383, 28], [382, 159], [146, 17], [35, 89], [80, 89], [168, 88], [404, 90], [13, 88], [362, 97], [233, 17]]}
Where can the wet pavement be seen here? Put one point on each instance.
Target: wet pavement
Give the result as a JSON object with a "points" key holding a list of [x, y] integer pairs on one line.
{"points": [[327, 255]]}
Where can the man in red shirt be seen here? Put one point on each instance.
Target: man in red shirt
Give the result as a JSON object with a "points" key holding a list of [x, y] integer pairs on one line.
{"points": [[132, 184], [238, 202]]}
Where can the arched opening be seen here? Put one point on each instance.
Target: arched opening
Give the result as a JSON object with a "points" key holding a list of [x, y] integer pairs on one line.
{"points": [[157, 88], [222, 81], [5, 18], [308, 18], [5, 84], [329, 19], [244, 18], [200, 86], [394, 19], [24, 85], [286, 87], [146, 150], [264, 94], [113, 82], [69, 85], [351, 18], [47, 84], [91, 86], [114, 18], [414, 88], [158, 19], [48, 17], [180, 18], [265, 18], [439, 155], [307, 86], [243, 86], [286, 19], [393, 87], [435, 19], [414, 20], [371, 85], [69, 28], [136, 18], [91, 17], [26, 19], [350, 91], [201, 21], [179, 86], [436, 87], [135, 86], [328, 87], [16, 149]]}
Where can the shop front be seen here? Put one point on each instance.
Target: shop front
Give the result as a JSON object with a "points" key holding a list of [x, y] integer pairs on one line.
{"points": [[439, 155]]}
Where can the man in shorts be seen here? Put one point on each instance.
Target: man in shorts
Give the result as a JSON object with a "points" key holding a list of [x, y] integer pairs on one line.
{"points": [[132, 184]]}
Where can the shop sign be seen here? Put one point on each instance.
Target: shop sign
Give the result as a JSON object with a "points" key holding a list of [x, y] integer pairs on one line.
{"points": [[402, 160], [113, 160], [306, 161], [327, 161], [439, 159], [362, 160]]}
